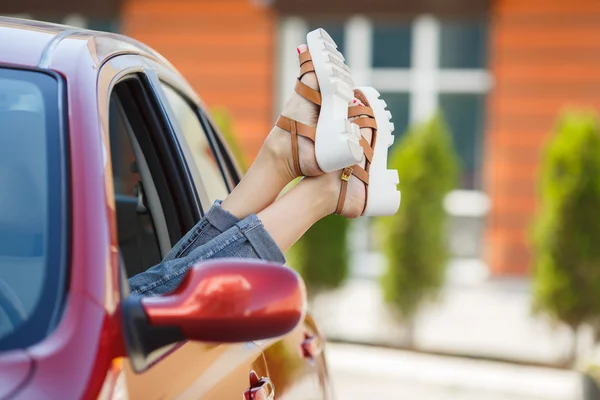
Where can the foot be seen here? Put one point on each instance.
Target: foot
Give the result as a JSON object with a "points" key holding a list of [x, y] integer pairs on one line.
{"points": [[301, 110], [356, 192]]}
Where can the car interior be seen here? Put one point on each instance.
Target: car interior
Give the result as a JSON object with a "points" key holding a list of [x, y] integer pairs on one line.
{"points": [[138, 207], [153, 204]]}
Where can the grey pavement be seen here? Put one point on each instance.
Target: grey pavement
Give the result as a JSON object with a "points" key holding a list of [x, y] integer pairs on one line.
{"points": [[364, 372]]}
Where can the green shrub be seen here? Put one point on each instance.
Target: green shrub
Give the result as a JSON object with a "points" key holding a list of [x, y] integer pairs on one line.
{"points": [[566, 231], [321, 255], [415, 238], [224, 122]]}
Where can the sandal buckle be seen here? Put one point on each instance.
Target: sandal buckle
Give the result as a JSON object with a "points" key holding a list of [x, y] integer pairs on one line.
{"points": [[346, 174]]}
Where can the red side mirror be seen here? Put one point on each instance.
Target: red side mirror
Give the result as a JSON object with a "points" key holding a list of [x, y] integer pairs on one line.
{"points": [[224, 300]]}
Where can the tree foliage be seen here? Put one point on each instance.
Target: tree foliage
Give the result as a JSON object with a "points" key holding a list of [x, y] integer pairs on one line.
{"points": [[321, 255], [567, 228], [415, 238]]}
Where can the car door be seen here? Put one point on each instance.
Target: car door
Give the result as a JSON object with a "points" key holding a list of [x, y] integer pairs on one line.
{"points": [[295, 373], [157, 199]]}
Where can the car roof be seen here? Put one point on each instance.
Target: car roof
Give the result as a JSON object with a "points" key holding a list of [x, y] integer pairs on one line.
{"points": [[35, 43]]}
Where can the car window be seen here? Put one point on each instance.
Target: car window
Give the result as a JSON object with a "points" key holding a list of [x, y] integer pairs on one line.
{"points": [[138, 240], [197, 140], [155, 203], [32, 271]]}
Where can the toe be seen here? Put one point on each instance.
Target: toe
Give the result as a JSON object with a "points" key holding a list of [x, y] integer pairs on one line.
{"points": [[355, 102], [302, 48], [310, 78]]}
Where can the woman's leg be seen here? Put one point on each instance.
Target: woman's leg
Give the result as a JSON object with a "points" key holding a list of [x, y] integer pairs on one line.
{"points": [[265, 235], [215, 222], [245, 239], [270, 172], [273, 167], [232, 228]]}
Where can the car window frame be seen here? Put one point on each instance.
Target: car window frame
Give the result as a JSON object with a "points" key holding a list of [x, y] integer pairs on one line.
{"points": [[163, 233], [63, 256], [142, 118], [122, 67], [151, 69]]}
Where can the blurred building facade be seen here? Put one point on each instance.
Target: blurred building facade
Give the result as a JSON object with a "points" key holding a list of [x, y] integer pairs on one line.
{"points": [[499, 70]]}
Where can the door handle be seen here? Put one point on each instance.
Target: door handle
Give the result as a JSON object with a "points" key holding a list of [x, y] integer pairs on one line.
{"points": [[260, 388], [311, 346]]}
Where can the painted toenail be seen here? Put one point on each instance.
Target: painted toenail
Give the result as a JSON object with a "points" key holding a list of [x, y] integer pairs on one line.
{"points": [[298, 50]]}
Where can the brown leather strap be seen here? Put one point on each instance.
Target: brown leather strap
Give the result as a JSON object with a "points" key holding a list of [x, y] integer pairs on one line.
{"points": [[361, 174], [346, 173], [367, 149], [365, 122], [306, 68], [294, 127], [360, 110], [295, 155], [308, 93], [342, 198], [373, 142], [285, 123], [304, 57]]}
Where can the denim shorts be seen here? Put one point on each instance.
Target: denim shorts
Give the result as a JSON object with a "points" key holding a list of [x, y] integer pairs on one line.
{"points": [[219, 234]]}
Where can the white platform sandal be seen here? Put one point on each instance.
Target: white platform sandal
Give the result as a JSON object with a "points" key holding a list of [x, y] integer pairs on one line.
{"points": [[382, 194], [337, 140]]}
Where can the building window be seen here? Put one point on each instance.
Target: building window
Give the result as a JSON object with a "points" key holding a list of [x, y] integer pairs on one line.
{"points": [[419, 66], [392, 44], [464, 115], [463, 44]]}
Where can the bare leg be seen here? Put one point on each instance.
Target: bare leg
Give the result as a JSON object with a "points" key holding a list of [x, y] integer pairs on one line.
{"points": [[289, 217], [273, 167]]}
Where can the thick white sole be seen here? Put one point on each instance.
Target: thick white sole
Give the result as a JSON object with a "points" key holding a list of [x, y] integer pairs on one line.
{"points": [[337, 139], [383, 195]]}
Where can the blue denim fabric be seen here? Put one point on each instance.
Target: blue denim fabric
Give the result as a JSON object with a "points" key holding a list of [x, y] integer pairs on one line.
{"points": [[219, 234]]}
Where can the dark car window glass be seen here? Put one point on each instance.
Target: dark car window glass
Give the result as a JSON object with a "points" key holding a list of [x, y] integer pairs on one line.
{"points": [[197, 141], [31, 268], [392, 44], [138, 240]]}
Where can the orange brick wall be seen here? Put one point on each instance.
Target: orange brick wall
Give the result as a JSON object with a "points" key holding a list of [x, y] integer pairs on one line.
{"points": [[223, 47], [545, 54]]}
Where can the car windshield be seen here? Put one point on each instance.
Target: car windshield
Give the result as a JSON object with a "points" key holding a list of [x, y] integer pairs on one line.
{"points": [[31, 217]]}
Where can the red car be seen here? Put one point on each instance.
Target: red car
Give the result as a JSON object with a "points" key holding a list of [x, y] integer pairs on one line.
{"points": [[107, 158]]}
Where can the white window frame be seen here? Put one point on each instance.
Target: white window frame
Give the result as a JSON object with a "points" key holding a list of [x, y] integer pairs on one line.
{"points": [[423, 81]]}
